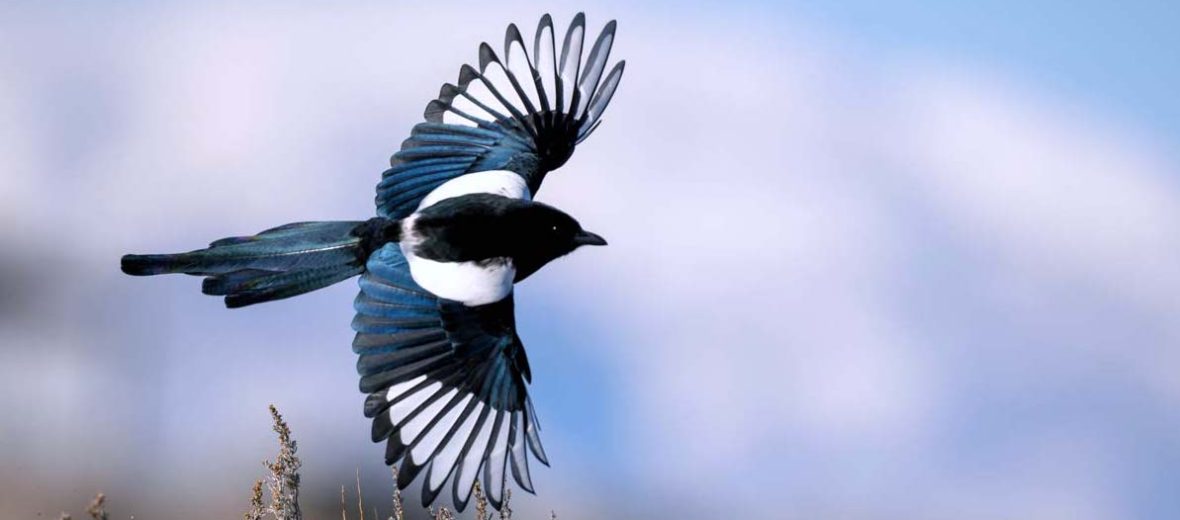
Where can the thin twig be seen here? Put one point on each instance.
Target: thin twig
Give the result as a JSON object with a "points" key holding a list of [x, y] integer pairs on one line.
{"points": [[360, 500]]}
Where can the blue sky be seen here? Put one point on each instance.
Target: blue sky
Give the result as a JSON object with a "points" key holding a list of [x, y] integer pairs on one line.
{"points": [[1116, 57]]}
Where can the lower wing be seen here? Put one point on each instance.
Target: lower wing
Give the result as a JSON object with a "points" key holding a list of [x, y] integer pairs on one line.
{"points": [[446, 384]]}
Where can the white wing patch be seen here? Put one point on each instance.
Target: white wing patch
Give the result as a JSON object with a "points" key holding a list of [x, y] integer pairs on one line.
{"points": [[499, 182], [442, 464], [410, 402], [414, 427], [498, 459], [397, 390], [471, 463], [471, 283], [429, 443]]}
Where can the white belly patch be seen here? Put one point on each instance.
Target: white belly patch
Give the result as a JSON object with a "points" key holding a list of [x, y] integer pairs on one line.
{"points": [[471, 283]]}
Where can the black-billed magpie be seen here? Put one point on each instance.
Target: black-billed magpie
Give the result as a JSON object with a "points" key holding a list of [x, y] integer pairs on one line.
{"points": [[456, 227]]}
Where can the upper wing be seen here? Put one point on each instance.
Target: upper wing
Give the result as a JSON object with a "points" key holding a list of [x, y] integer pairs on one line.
{"points": [[446, 384], [523, 113]]}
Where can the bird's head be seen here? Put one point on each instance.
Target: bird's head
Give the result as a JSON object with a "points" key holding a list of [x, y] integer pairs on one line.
{"points": [[539, 234], [481, 226]]}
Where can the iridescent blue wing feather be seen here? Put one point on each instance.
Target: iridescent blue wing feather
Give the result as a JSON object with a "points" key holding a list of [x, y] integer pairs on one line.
{"points": [[446, 384], [521, 113]]}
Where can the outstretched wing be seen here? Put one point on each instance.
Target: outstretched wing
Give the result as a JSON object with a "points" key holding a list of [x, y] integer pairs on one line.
{"points": [[523, 113], [446, 384]]}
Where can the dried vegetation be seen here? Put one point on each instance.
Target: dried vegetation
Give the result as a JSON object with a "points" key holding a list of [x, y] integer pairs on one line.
{"points": [[282, 485]]}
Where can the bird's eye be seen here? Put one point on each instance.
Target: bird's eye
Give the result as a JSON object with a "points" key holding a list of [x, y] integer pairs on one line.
{"points": [[555, 228]]}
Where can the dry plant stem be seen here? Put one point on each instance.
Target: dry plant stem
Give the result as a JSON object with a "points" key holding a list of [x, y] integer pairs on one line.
{"points": [[257, 510], [96, 510], [481, 503], [398, 512], [505, 511], [283, 485], [360, 500], [284, 478]]}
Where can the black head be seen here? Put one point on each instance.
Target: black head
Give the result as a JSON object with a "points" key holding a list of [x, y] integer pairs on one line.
{"points": [[482, 226], [542, 233]]}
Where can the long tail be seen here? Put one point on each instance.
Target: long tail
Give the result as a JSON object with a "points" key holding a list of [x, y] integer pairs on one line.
{"points": [[278, 263]]}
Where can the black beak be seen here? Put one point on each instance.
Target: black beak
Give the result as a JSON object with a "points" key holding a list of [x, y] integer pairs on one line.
{"points": [[586, 238]]}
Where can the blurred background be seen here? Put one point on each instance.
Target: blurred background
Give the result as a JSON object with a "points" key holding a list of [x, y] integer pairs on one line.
{"points": [[869, 260]]}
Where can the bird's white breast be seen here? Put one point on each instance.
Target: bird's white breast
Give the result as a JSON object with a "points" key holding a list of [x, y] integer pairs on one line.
{"points": [[468, 282], [472, 283]]}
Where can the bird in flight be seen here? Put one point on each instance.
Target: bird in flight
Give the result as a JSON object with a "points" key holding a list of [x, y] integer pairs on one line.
{"points": [[456, 227]]}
